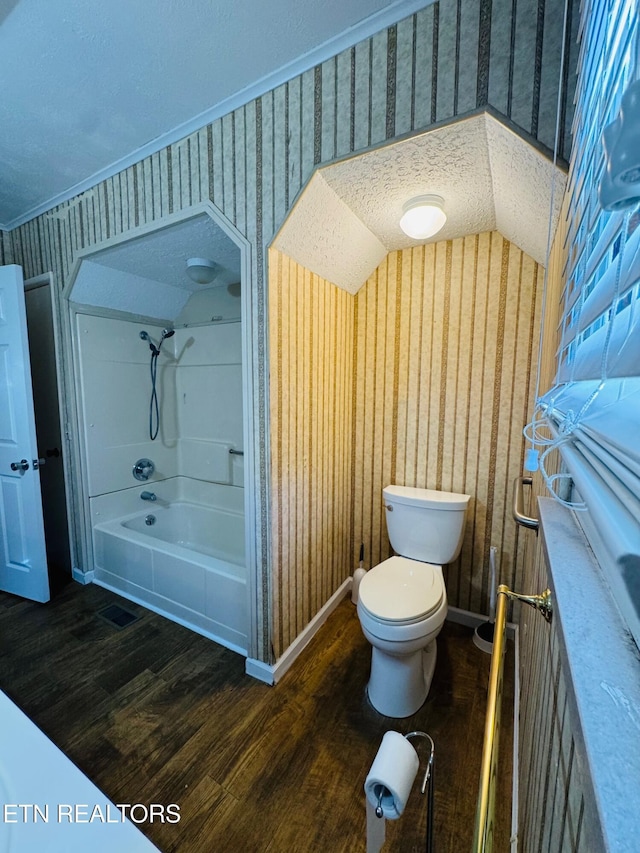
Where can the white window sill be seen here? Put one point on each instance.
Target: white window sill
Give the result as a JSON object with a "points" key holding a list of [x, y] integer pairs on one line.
{"points": [[602, 663]]}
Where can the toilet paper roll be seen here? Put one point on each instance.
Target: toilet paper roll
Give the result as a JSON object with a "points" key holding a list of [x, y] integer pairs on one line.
{"points": [[392, 773]]}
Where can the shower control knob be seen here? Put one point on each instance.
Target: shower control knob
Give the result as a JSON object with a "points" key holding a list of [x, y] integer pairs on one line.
{"points": [[23, 465], [143, 469]]}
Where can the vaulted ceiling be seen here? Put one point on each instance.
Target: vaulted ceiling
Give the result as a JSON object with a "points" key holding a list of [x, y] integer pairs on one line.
{"points": [[347, 218]]}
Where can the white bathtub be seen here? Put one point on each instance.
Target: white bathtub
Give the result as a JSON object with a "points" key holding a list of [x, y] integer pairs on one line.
{"points": [[211, 531], [188, 565]]}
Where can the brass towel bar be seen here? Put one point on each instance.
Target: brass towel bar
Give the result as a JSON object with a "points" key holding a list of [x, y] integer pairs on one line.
{"points": [[484, 827]]}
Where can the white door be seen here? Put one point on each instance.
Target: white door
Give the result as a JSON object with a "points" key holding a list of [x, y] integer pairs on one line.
{"points": [[23, 557]]}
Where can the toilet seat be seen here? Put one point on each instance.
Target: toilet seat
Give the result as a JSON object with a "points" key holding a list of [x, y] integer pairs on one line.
{"points": [[400, 591]]}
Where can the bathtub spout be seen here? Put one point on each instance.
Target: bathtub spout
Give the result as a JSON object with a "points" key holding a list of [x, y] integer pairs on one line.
{"points": [[148, 496]]}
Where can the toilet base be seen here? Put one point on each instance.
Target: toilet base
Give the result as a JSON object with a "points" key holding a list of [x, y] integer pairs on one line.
{"points": [[399, 684]]}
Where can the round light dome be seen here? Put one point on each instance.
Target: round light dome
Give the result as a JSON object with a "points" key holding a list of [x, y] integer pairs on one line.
{"points": [[201, 270], [423, 216]]}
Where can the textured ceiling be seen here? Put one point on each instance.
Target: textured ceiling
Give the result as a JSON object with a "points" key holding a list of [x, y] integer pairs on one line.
{"points": [[452, 161], [489, 177], [162, 255], [147, 275], [346, 219], [329, 237], [90, 87]]}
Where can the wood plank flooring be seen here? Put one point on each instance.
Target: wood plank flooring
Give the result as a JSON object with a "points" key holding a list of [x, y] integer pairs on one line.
{"points": [[154, 713]]}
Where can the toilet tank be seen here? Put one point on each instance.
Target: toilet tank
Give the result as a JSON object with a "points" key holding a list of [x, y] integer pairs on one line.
{"points": [[424, 524]]}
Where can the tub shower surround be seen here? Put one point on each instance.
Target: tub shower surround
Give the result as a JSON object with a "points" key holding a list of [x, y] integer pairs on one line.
{"points": [[179, 551], [200, 391]]}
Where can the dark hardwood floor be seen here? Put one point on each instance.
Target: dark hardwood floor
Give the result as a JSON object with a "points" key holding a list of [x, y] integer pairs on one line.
{"points": [[154, 713]]}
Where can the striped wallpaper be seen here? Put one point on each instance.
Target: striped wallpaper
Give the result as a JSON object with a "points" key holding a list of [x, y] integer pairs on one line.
{"points": [[557, 807], [421, 379], [446, 341], [5, 248], [449, 59], [311, 368]]}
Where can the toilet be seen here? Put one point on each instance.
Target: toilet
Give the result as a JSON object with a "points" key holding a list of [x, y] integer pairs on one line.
{"points": [[402, 602]]}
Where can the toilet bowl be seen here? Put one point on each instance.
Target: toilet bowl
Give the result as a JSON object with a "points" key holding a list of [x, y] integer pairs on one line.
{"points": [[402, 606], [402, 602]]}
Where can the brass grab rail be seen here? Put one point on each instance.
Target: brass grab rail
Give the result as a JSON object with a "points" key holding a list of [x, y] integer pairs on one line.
{"points": [[484, 826]]}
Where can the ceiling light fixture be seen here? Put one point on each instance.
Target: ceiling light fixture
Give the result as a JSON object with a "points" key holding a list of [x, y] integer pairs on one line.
{"points": [[201, 270], [423, 216]]}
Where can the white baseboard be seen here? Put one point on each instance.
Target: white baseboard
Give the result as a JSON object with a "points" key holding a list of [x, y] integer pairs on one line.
{"points": [[272, 673], [259, 670], [472, 620], [82, 577], [465, 617]]}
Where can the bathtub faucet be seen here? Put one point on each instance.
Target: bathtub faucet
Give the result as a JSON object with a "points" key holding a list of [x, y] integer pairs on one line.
{"points": [[148, 496]]}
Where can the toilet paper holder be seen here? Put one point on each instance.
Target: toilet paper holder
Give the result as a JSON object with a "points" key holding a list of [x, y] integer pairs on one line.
{"points": [[427, 783], [429, 771], [427, 774]]}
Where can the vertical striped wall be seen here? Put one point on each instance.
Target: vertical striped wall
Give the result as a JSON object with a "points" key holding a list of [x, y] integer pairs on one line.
{"points": [[446, 341], [556, 799], [311, 358], [5, 248], [422, 379], [449, 59], [557, 808]]}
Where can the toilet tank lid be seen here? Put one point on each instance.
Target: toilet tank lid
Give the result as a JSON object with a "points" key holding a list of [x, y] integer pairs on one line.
{"points": [[425, 497]]}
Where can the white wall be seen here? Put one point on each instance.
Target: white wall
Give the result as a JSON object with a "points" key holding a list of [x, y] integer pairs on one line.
{"points": [[200, 392], [116, 388], [211, 303], [209, 394]]}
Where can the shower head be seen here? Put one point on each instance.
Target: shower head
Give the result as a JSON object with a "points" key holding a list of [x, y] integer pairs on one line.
{"points": [[146, 337], [166, 333]]}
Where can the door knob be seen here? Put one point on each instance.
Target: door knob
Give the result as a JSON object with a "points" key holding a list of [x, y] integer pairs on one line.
{"points": [[23, 465], [38, 463]]}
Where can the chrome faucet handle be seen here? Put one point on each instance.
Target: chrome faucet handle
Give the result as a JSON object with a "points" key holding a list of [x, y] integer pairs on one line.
{"points": [[143, 469]]}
